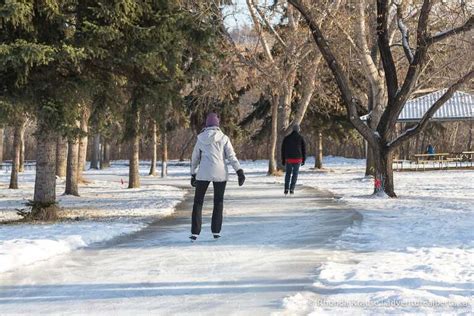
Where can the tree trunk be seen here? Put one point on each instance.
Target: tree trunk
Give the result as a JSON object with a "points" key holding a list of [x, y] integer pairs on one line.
{"points": [[370, 162], [153, 150], [272, 163], [455, 137], [16, 157], [423, 143], [95, 159], [407, 150], [375, 108], [285, 112], [105, 158], [44, 200], [469, 143], [417, 143], [319, 151], [2, 132], [83, 143], [377, 90], [119, 151], [21, 166], [134, 148], [164, 154], [308, 82], [61, 156], [72, 169], [133, 172], [383, 181]]}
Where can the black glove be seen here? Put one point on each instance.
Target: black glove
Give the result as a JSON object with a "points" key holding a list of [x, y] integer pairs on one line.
{"points": [[240, 174], [193, 180], [302, 163], [283, 162]]}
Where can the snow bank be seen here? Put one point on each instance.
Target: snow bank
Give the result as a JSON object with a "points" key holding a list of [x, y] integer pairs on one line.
{"points": [[415, 250], [18, 252], [26, 244], [116, 209], [106, 195]]}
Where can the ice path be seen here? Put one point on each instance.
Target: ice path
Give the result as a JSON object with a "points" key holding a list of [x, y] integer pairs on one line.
{"points": [[267, 252]]}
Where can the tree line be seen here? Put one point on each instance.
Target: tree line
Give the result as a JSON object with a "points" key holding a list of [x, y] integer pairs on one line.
{"points": [[81, 67], [379, 54], [120, 71]]}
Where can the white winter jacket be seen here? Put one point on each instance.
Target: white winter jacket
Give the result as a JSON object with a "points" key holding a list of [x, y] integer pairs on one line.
{"points": [[210, 153]]}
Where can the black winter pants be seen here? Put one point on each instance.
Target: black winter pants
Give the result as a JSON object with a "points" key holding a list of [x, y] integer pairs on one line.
{"points": [[201, 188]]}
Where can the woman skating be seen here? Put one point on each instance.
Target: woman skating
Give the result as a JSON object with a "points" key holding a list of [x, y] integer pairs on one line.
{"points": [[208, 164]]}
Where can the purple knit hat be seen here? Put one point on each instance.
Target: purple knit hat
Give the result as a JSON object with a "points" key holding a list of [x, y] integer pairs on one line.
{"points": [[212, 120]]}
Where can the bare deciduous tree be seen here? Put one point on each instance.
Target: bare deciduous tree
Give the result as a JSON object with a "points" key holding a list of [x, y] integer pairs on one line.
{"points": [[383, 141]]}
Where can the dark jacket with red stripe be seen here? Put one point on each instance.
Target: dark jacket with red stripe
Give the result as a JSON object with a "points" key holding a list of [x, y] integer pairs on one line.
{"points": [[293, 147]]}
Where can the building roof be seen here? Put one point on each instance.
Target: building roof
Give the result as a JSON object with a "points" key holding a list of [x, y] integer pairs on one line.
{"points": [[459, 107]]}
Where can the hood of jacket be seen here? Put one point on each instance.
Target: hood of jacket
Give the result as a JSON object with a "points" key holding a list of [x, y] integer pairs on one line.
{"points": [[210, 135]]}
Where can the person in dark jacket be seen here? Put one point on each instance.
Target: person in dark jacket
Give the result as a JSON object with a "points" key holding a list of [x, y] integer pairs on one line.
{"points": [[430, 151], [293, 155]]}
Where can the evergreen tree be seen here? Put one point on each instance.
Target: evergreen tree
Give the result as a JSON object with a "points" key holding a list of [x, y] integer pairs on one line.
{"points": [[39, 64], [153, 48]]}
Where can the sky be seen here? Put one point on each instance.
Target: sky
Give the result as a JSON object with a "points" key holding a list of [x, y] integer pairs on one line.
{"points": [[237, 14]]}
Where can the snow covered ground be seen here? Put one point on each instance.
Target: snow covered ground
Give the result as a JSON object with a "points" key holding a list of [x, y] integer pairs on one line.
{"points": [[413, 254], [105, 209], [416, 250]]}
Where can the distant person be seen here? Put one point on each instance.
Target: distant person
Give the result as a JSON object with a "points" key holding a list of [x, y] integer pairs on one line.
{"points": [[293, 155], [430, 151], [208, 164]]}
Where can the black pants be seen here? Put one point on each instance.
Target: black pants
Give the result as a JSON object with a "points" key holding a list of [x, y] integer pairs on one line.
{"points": [[292, 170], [201, 188]]}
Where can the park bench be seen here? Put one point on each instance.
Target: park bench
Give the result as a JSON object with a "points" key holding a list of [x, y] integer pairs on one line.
{"points": [[461, 157], [457, 159], [424, 159], [468, 156], [400, 163]]}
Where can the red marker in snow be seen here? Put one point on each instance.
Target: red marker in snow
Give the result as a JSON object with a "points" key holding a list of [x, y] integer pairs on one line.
{"points": [[378, 183]]}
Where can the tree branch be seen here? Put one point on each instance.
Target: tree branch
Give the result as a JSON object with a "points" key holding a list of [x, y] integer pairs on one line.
{"points": [[376, 82], [243, 59], [384, 48], [310, 70], [308, 83], [405, 35], [258, 27], [342, 82], [432, 110], [270, 27], [469, 25], [390, 115]]}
